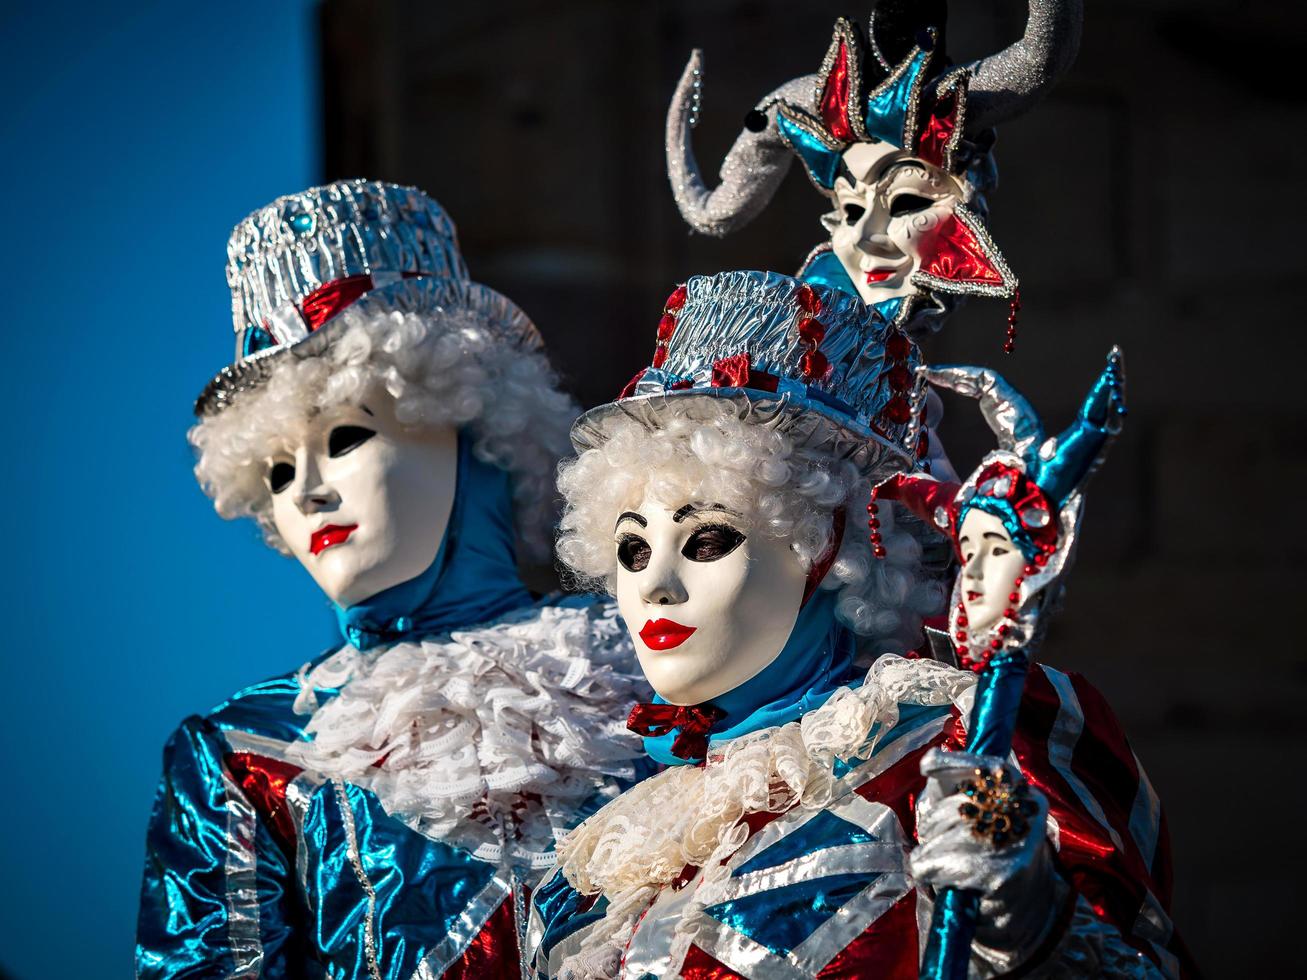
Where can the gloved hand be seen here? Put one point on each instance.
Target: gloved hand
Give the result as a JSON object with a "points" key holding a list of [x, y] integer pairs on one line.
{"points": [[1010, 863]]}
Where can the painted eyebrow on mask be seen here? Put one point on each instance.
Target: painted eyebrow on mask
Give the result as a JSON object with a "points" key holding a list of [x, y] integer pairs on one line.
{"points": [[901, 164], [630, 515], [684, 512], [995, 535]]}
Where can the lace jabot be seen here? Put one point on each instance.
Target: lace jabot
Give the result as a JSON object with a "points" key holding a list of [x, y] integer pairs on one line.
{"points": [[491, 738]]}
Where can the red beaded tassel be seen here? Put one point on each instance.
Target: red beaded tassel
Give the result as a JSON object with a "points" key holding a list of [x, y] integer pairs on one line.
{"points": [[1010, 344], [873, 525]]}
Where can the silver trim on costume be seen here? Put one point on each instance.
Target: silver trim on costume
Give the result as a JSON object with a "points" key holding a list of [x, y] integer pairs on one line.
{"points": [[465, 928], [242, 887], [356, 862], [299, 793], [1067, 727], [1145, 816], [1154, 926]]}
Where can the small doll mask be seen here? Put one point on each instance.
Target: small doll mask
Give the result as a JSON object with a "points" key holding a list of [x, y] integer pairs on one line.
{"points": [[991, 565], [362, 501]]}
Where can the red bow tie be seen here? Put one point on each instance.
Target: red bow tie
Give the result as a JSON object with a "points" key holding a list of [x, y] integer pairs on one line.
{"points": [[694, 722]]}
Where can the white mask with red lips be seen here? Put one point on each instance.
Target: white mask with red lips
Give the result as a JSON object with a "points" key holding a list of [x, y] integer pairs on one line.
{"points": [[884, 224], [709, 604], [362, 501]]}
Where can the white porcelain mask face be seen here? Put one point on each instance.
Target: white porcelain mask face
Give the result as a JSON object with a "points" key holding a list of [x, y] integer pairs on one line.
{"points": [[883, 225], [709, 605], [991, 564], [361, 501]]}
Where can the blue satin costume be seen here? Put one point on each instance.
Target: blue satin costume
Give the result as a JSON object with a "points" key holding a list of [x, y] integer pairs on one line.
{"points": [[255, 867]]}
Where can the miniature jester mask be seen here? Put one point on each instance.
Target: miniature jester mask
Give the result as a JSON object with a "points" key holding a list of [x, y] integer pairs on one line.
{"points": [[899, 140], [884, 144]]}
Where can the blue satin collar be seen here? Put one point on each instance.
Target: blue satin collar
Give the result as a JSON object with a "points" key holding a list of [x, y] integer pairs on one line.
{"points": [[816, 660], [473, 578], [825, 269]]}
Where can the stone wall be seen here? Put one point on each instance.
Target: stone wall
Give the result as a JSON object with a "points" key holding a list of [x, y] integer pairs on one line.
{"points": [[1150, 202]]}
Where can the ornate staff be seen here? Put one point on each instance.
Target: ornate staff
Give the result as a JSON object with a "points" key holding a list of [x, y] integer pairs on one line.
{"points": [[1014, 523]]}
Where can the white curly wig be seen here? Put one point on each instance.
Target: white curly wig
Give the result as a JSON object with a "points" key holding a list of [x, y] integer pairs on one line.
{"points": [[718, 450], [442, 368]]}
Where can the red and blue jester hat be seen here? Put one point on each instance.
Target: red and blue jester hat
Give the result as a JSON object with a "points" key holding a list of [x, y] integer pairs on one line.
{"points": [[1032, 484], [896, 90]]}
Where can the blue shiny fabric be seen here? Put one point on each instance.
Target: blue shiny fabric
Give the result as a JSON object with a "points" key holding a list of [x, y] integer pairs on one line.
{"points": [[1080, 445], [473, 577], [952, 927], [184, 924], [781, 918], [825, 269], [887, 108], [299, 910], [822, 161], [816, 660]]}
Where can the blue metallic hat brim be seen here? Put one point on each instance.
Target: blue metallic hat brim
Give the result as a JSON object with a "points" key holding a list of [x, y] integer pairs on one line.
{"points": [[812, 424], [423, 295]]}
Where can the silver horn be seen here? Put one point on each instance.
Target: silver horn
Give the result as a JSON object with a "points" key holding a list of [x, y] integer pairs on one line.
{"points": [[1009, 415], [1006, 84], [752, 170]]}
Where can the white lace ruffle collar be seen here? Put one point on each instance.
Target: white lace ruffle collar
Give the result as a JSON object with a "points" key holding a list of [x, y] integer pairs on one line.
{"points": [[490, 738]]}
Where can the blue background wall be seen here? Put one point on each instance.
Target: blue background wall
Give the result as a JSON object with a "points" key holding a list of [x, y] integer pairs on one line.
{"points": [[134, 136]]}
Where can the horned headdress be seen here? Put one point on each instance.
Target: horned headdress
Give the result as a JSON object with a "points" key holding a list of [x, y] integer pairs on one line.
{"points": [[894, 86]]}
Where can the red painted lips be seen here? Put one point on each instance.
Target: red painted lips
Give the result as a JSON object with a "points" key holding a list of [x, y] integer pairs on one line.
{"points": [[332, 534], [663, 634], [879, 275]]}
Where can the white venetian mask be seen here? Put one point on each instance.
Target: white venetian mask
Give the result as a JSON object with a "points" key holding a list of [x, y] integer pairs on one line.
{"points": [[883, 227], [709, 605], [991, 564], [362, 501]]}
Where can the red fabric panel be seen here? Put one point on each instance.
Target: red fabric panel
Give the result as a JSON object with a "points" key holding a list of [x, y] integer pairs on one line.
{"points": [[941, 122], [886, 951], [899, 786], [330, 298], [960, 256], [493, 954], [835, 97], [264, 783], [699, 965]]}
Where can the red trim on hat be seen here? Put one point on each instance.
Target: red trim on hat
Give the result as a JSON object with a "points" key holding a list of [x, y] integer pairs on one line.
{"points": [[736, 372], [332, 298]]}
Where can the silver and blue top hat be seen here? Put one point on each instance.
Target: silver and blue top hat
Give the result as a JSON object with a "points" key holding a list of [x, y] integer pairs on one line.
{"points": [[811, 359], [298, 264]]}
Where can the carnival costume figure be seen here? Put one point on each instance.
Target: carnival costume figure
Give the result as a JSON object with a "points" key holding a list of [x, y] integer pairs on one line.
{"points": [[716, 498], [394, 426], [899, 140]]}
